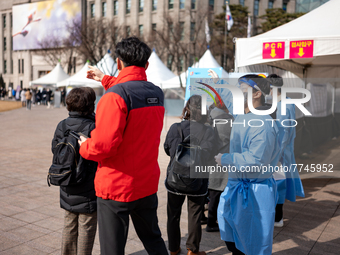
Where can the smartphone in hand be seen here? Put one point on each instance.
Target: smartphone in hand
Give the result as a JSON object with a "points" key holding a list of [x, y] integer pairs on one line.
{"points": [[75, 135], [81, 134]]}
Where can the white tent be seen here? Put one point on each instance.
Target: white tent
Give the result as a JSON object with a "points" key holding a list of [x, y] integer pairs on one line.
{"points": [[320, 25], [52, 78], [157, 72], [108, 66], [79, 79], [206, 61]]}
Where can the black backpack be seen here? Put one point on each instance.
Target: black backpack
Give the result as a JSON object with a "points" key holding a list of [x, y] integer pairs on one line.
{"points": [[68, 167], [188, 155]]}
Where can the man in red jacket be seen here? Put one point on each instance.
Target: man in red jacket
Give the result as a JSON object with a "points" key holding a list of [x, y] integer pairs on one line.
{"points": [[129, 121]]}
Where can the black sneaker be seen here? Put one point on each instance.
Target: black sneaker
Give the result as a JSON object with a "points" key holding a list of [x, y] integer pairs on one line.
{"points": [[204, 220], [212, 229]]}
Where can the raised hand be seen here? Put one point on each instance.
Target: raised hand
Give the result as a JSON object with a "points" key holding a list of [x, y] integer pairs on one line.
{"points": [[95, 74]]}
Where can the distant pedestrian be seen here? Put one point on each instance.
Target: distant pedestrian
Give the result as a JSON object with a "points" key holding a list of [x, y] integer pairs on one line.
{"points": [[79, 200], [48, 98], [17, 93], [23, 97], [28, 96]]}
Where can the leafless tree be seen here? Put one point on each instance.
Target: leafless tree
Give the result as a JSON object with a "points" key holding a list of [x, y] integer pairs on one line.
{"points": [[182, 46], [90, 40]]}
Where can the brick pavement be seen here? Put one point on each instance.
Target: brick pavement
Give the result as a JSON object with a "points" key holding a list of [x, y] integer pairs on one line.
{"points": [[31, 219]]}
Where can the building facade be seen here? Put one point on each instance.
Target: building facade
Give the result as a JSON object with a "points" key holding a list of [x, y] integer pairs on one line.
{"points": [[134, 17]]}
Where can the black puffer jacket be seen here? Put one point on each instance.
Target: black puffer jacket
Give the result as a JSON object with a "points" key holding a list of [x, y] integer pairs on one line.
{"points": [[79, 198], [208, 145]]}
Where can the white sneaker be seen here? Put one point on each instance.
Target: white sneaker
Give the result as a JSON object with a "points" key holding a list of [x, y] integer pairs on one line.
{"points": [[279, 224]]}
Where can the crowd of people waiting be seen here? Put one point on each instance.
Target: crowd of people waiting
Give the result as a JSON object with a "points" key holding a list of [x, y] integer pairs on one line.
{"points": [[31, 96]]}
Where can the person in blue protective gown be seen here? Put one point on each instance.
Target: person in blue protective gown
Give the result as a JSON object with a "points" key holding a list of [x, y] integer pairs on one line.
{"points": [[246, 210], [290, 186]]}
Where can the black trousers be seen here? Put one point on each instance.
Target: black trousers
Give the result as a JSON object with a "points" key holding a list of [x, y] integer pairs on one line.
{"points": [[174, 209], [113, 223], [278, 212], [214, 196], [231, 247]]}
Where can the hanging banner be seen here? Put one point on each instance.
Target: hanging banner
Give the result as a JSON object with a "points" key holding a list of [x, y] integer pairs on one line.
{"points": [[273, 50], [301, 49]]}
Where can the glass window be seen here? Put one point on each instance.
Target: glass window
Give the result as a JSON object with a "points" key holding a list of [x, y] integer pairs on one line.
{"points": [[181, 64], [141, 30], [5, 43], [128, 6], [4, 20], [22, 66], [181, 27], [128, 31], [115, 7], [171, 4], [154, 5], [192, 31], [306, 6], [154, 28], [11, 17], [5, 66], [211, 5], [270, 4], [11, 65], [93, 10], [74, 64], [181, 4], [242, 2], [141, 5], [169, 61], [284, 6], [193, 4], [18, 65], [256, 7], [104, 9]]}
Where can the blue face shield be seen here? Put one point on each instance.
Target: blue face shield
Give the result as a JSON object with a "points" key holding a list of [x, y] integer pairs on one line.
{"points": [[251, 83]]}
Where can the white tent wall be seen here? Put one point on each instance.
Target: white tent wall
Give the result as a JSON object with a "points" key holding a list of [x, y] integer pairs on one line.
{"points": [[206, 61], [52, 78], [108, 66], [157, 72]]}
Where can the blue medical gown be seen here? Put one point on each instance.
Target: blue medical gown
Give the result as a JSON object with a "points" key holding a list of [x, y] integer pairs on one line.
{"points": [[293, 186], [246, 212], [227, 98]]}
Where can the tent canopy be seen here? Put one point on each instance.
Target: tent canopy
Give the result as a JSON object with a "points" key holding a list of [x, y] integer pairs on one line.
{"points": [[52, 78], [320, 25], [206, 61], [108, 66], [157, 72], [79, 79]]}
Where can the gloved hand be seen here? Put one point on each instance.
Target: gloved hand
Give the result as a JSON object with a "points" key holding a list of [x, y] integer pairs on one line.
{"points": [[213, 75]]}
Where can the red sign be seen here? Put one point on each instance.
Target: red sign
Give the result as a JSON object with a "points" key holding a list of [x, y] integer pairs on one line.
{"points": [[273, 50], [301, 49]]}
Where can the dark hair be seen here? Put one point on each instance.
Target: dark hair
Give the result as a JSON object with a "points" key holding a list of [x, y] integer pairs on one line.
{"points": [[133, 52], [261, 82], [275, 80], [81, 100], [192, 110]]}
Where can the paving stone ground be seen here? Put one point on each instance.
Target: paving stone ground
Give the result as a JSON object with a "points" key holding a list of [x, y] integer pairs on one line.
{"points": [[31, 219]]}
